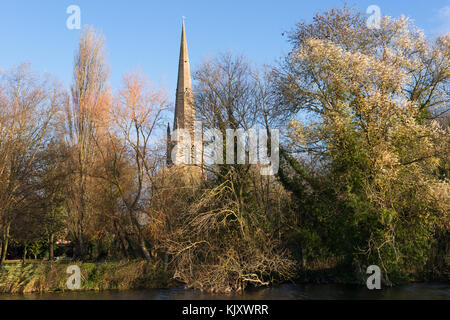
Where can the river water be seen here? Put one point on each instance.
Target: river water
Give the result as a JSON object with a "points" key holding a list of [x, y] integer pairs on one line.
{"points": [[427, 291]]}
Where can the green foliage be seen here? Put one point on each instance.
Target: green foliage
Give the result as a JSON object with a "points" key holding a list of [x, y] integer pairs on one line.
{"points": [[370, 186]]}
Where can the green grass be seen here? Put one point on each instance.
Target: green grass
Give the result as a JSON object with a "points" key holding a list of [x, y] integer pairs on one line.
{"points": [[16, 277]]}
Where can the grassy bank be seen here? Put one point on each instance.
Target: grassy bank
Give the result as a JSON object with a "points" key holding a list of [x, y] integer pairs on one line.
{"points": [[51, 276], [324, 272]]}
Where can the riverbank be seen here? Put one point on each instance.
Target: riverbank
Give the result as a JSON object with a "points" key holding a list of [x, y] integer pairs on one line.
{"points": [[42, 277], [341, 275], [51, 277]]}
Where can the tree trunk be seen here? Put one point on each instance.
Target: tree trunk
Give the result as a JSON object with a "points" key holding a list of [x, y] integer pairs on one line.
{"points": [[25, 249], [80, 250], [141, 240], [120, 239], [303, 254], [79, 247], [166, 260], [51, 247], [124, 248], [5, 244], [131, 248], [144, 247]]}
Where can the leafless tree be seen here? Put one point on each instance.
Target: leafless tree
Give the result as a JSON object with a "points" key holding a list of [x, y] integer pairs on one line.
{"points": [[28, 103], [89, 95], [132, 124]]}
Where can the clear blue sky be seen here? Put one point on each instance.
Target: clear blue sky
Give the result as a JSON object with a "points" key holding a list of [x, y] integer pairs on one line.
{"points": [[145, 35]]}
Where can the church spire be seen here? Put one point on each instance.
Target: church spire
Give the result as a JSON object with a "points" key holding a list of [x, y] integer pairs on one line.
{"points": [[184, 103]]}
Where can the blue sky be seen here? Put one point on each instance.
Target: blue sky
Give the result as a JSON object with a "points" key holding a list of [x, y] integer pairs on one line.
{"points": [[145, 35]]}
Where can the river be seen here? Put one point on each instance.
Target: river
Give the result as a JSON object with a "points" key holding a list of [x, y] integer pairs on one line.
{"points": [[427, 291]]}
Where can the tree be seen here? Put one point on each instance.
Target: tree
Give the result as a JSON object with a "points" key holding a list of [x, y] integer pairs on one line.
{"points": [[27, 229], [134, 119], [228, 237], [89, 95], [369, 150], [27, 105], [51, 191]]}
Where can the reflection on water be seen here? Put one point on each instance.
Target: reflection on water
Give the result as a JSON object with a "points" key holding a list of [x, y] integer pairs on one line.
{"points": [[285, 292]]}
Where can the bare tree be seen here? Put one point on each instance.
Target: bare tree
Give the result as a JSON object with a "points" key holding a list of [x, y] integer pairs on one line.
{"points": [[89, 92], [133, 122], [27, 105]]}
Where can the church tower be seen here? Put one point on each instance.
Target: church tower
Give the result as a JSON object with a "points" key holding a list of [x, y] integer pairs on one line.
{"points": [[184, 103]]}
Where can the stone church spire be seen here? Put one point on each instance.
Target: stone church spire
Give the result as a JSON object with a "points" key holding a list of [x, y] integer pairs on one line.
{"points": [[184, 103]]}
